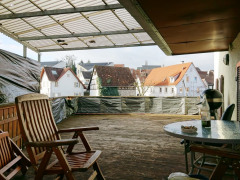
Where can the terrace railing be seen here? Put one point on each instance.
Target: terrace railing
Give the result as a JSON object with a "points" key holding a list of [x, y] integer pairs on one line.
{"points": [[9, 122]]}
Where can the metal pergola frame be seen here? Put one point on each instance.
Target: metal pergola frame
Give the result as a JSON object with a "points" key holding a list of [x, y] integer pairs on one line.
{"points": [[43, 27]]}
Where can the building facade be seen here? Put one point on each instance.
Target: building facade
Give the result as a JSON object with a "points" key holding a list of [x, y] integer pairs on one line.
{"points": [[56, 82], [112, 81], [176, 80]]}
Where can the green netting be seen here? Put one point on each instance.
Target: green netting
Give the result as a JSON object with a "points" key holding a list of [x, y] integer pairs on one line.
{"points": [[109, 91]]}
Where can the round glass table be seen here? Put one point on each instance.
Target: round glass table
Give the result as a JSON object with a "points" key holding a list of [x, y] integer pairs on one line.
{"points": [[225, 132]]}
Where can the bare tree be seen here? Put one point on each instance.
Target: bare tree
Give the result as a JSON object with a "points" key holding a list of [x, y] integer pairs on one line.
{"points": [[141, 88], [70, 61]]}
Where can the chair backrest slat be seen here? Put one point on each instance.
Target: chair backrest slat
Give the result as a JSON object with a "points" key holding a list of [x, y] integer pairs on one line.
{"points": [[36, 122], [6, 152]]}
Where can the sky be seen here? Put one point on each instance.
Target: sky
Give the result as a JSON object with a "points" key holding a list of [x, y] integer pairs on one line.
{"points": [[132, 57]]}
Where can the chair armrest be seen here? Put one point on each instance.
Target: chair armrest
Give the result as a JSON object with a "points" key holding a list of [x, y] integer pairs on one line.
{"points": [[77, 129], [53, 143], [217, 151]]}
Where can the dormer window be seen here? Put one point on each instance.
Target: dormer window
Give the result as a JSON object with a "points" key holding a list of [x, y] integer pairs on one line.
{"points": [[172, 79], [54, 72]]}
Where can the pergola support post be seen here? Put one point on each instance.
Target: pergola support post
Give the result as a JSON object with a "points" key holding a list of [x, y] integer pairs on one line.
{"points": [[24, 51], [39, 57]]}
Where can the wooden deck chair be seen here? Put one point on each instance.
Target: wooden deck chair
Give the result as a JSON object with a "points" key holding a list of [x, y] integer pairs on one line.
{"points": [[12, 160], [228, 158], [42, 138]]}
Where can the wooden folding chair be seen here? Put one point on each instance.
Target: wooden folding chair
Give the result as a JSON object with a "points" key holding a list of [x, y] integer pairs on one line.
{"points": [[42, 138], [228, 158], [12, 160]]}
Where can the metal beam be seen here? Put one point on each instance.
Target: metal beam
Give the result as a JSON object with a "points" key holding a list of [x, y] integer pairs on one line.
{"points": [[98, 47], [133, 7], [81, 35], [60, 11]]}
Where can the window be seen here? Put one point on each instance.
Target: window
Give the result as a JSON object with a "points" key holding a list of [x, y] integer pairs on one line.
{"points": [[187, 78], [56, 84], [75, 84], [195, 79], [75, 94], [166, 90], [160, 90], [180, 90], [54, 72], [172, 90], [187, 89]]}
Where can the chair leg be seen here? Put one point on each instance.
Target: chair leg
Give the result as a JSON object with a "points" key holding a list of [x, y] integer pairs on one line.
{"points": [[220, 169], [63, 162], [99, 172]]}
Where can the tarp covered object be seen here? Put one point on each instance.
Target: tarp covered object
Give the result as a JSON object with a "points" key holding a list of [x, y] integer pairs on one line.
{"points": [[59, 109], [18, 76]]}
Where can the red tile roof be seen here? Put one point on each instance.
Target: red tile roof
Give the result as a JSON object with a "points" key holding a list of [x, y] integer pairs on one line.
{"points": [[111, 76], [161, 76], [54, 74]]}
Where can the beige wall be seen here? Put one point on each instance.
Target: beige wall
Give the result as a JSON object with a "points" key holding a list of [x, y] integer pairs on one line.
{"points": [[229, 73]]}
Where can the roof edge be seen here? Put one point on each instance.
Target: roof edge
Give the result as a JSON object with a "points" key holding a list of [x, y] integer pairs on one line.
{"points": [[134, 8]]}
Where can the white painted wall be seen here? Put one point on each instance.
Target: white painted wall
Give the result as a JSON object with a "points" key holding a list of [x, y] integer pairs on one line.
{"points": [[65, 86], [45, 85], [192, 81], [127, 92], [94, 89], [229, 73]]}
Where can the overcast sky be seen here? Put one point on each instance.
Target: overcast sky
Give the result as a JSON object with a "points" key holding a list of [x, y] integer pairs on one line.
{"points": [[132, 57]]}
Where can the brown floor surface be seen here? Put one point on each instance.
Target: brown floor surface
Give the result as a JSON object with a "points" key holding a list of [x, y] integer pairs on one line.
{"points": [[134, 147]]}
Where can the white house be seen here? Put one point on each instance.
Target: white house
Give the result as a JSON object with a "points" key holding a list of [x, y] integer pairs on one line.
{"points": [[112, 81], [57, 82], [175, 80], [85, 77]]}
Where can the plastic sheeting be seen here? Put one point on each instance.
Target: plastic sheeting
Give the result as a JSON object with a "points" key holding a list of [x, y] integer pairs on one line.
{"points": [[159, 105], [18, 76], [64, 107]]}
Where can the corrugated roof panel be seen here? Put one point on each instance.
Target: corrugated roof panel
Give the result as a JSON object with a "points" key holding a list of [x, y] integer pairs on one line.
{"points": [[19, 6], [84, 3], [53, 4], [31, 34], [144, 37], [106, 21], [80, 26], [97, 41], [41, 43], [67, 17], [95, 21], [51, 47], [72, 43], [123, 39], [3, 10], [55, 30], [40, 21], [111, 1], [15, 25], [128, 20]]}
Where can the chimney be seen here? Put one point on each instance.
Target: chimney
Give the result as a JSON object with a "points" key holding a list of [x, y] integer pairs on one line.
{"points": [[182, 62], [146, 62]]}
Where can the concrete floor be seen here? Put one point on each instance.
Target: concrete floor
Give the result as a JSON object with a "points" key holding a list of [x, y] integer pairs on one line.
{"points": [[134, 147]]}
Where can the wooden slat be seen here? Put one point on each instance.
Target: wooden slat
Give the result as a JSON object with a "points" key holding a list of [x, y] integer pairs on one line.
{"points": [[46, 133], [5, 116]]}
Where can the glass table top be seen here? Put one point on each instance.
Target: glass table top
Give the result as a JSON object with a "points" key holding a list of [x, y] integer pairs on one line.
{"points": [[220, 131]]}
